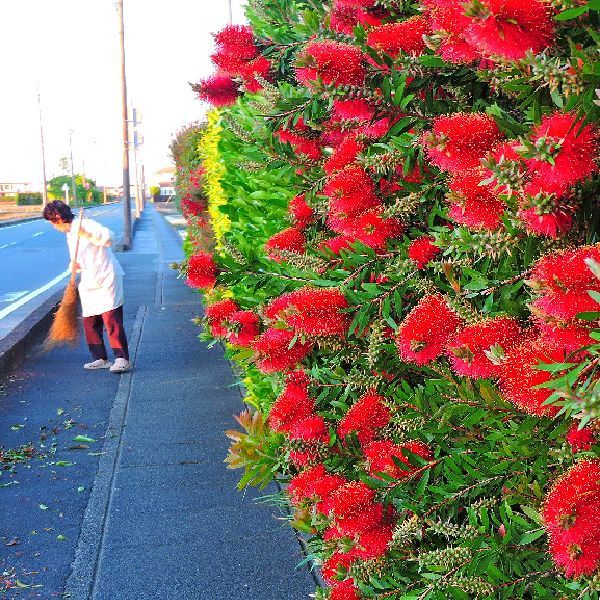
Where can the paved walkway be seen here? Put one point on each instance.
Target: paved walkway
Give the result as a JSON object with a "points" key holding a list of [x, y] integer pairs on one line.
{"points": [[148, 510]]}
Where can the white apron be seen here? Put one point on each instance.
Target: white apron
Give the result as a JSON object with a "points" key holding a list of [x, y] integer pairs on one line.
{"points": [[101, 284]]}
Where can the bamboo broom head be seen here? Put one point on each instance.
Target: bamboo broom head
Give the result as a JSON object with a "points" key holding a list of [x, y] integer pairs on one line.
{"points": [[64, 329]]}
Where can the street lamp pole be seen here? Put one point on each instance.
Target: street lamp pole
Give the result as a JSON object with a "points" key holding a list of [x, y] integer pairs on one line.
{"points": [[230, 11], [45, 188], [73, 186], [126, 184]]}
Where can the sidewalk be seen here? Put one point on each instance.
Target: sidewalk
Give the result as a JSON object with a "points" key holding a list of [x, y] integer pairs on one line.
{"points": [[148, 511]]}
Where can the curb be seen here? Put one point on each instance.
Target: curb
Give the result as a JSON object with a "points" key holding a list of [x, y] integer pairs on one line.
{"points": [[17, 343], [14, 346]]}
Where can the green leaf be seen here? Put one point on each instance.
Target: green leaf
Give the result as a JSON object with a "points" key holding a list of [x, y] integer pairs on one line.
{"points": [[530, 536], [571, 13], [84, 439]]}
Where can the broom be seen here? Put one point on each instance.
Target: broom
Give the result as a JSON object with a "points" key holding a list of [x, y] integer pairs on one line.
{"points": [[64, 329]]}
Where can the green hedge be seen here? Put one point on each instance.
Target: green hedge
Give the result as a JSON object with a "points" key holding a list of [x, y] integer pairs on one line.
{"points": [[29, 199]]}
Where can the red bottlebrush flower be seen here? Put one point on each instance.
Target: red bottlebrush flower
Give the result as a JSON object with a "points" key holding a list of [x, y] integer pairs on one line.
{"points": [[237, 40], [292, 405], [369, 228], [350, 499], [508, 28], [473, 205], [519, 376], [217, 313], [339, 561], [300, 212], [310, 429], [572, 147], [377, 129], [459, 141], [218, 90], [401, 37], [310, 148], [381, 455], [470, 349], [344, 590], [336, 244], [580, 439], [369, 414], [352, 111], [374, 542], [315, 484], [449, 25], [564, 280], [333, 63], [423, 334], [423, 250], [345, 154], [288, 240], [566, 339], [244, 328], [345, 16], [312, 311], [191, 208], [274, 352], [202, 271], [351, 193], [550, 224], [571, 515]]}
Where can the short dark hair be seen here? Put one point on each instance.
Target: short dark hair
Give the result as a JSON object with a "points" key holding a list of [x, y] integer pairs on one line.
{"points": [[58, 212]]}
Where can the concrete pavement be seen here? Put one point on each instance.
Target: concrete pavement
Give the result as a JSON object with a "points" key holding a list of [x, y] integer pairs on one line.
{"points": [[147, 510]]}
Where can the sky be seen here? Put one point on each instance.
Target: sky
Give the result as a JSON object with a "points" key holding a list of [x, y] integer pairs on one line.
{"points": [[69, 49]]}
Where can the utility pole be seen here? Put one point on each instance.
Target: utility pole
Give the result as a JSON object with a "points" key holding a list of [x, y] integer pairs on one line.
{"points": [[126, 184], [230, 12], [73, 186], [45, 188]]}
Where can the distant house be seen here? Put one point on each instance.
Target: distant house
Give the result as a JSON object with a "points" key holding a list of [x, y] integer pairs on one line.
{"points": [[167, 188], [164, 179], [8, 189]]}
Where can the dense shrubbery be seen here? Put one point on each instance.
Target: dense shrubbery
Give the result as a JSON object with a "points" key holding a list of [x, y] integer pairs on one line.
{"points": [[29, 198], [404, 263]]}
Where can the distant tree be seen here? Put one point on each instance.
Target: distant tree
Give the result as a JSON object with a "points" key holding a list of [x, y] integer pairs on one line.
{"points": [[86, 188]]}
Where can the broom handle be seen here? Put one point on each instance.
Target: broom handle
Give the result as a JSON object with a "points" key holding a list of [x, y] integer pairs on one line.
{"points": [[74, 268]]}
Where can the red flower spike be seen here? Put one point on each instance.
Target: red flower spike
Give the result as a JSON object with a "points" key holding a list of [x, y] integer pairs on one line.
{"points": [[309, 148], [381, 455], [474, 205], [519, 376], [374, 543], [402, 37], [369, 228], [345, 16], [459, 141], [217, 313], [572, 146], [289, 240], [312, 311], [351, 192], [244, 328], [563, 278], [470, 349], [300, 212], [333, 63], [237, 40], [423, 334], [274, 352], [202, 271], [351, 498], [218, 90], [292, 406], [344, 590], [508, 28], [449, 24], [571, 515], [339, 561], [423, 250], [580, 439], [365, 417], [352, 111], [310, 429], [345, 154]]}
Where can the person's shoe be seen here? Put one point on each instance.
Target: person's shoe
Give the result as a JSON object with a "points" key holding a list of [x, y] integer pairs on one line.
{"points": [[98, 364], [121, 366]]}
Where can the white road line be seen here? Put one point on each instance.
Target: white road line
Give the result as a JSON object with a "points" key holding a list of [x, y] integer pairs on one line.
{"points": [[7, 245], [12, 296], [25, 299], [38, 233]]}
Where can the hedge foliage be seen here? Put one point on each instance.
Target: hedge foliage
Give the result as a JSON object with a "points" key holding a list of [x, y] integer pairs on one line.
{"points": [[404, 263]]}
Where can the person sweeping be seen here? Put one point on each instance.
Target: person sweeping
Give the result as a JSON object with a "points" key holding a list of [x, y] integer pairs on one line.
{"points": [[100, 287]]}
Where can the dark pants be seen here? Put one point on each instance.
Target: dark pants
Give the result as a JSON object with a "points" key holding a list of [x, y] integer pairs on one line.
{"points": [[113, 321]]}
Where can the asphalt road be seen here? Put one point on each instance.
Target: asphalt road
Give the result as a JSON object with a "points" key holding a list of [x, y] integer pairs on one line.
{"points": [[33, 263]]}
